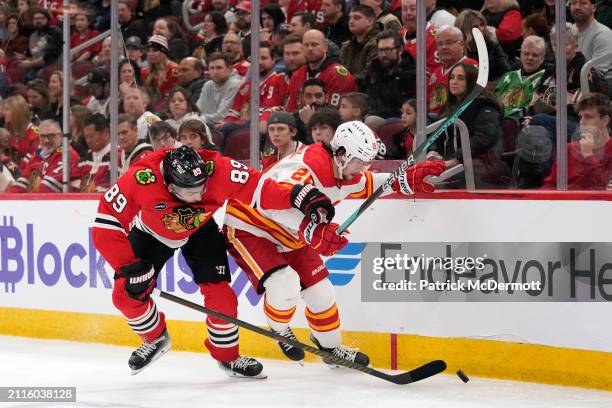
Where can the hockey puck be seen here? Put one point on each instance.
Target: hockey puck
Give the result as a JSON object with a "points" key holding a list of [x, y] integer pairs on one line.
{"points": [[462, 376]]}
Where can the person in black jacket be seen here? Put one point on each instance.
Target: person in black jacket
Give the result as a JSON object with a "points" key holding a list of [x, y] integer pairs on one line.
{"points": [[45, 44], [390, 78], [483, 119]]}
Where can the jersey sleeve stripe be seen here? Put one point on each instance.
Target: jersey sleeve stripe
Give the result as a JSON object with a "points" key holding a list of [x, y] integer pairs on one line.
{"points": [[52, 183]]}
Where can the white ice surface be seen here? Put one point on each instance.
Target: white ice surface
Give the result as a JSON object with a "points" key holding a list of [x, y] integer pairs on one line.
{"points": [[179, 379]]}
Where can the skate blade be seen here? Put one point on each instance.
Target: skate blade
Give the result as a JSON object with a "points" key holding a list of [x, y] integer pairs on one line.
{"points": [[161, 353], [260, 376]]}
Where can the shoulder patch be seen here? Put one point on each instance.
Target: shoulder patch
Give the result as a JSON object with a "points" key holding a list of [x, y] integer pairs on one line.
{"points": [[145, 177], [342, 71], [151, 119], [210, 167], [175, 72]]}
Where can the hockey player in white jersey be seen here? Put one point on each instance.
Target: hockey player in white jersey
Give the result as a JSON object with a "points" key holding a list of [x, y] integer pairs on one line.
{"points": [[280, 250]]}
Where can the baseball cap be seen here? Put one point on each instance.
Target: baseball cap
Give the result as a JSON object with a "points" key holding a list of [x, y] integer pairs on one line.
{"points": [[535, 144], [244, 5], [282, 117], [133, 42]]}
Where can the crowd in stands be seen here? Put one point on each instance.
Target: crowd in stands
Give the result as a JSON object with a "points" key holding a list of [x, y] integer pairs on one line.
{"points": [[321, 63]]}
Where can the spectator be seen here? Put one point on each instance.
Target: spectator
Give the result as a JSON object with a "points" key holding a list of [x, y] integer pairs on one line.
{"points": [[194, 133], [232, 47], [335, 76], [450, 46], [384, 19], [129, 24], [218, 94], [353, 106], [104, 56], [56, 98], [243, 24], [103, 14], [272, 17], [498, 60], [44, 171], [312, 7], [162, 74], [98, 82], [191, 78], [78, 114], [404, 141], [533, 158], [389, 80], [25, 8], [18, 121], [129, 75], [594, 38], [181, 108], [272, 91], [336, 21], [82, 33], [16, 46], [483, 118], [436, 16], [293, 54], [214, 27], [515, 90], [302, 22], [323, 125], [38, 99], [131, 147], [589, 160], [163, 136], [135, 52], [313, 97], [136, 102], [223, 7], [177, 46], [535, 24], [408, 33], [94, 170], [282, 133], [45, 44], [9, 171], [505, 21], [361, 48]]}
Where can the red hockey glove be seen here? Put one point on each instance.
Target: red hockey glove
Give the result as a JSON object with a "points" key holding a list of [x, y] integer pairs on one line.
{"points": [[139, 279], [413, 180], [312, 203], [323, 238]]}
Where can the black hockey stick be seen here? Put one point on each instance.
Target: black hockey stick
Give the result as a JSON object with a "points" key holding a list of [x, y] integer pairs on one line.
{"points": [[481, 82], [420, 373]]}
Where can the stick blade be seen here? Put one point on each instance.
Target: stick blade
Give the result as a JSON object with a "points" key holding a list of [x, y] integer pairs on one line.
{"points": [[420, 373]]}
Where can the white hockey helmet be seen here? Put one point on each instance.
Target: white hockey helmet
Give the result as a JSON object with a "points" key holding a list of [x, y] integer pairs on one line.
{"points": [[357, 140]]}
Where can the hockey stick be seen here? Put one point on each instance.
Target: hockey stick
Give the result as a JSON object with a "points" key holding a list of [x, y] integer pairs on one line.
{"points": [[420, 373], [481, 82]]}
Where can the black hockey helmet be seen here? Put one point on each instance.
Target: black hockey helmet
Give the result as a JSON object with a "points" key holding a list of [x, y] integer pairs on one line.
{"points": [[184, 168]]}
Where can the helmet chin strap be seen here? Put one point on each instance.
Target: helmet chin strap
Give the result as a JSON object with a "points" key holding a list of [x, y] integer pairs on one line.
{"points": [[339, 165]]}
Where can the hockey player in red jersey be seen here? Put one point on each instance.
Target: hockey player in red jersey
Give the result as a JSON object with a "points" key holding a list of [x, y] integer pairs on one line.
{"points": [[44, 170], [281, 250], [165, 202], [337, 78]]}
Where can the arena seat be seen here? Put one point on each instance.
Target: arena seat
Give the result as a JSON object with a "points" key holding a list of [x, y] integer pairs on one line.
{"points": [[237, 145]]}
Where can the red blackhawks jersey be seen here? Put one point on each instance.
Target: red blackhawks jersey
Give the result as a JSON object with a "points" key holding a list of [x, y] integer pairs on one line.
{"points": [[272, 91], [312, 165], [337, 78], [94, 172], [431, 59], [45, 174], [242, 67], [140, 199], [437, 86], [26, 146], [171, 79], [307, 6]]}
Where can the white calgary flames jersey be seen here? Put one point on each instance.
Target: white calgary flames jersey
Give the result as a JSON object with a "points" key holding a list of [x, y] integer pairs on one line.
{"points": [[313, 165]]}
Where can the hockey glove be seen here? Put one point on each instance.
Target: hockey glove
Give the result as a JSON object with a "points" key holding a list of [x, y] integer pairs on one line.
{"points": [[139, 279], [312, 203], [413, 180], [323, 238]]}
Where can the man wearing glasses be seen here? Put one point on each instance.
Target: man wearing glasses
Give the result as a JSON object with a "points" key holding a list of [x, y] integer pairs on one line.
{"points": [[44, 171], [390, 79]]}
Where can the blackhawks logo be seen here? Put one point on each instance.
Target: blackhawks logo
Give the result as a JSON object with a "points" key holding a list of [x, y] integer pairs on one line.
{"points": [[183, 219], [342, 71], [145, 177]]}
